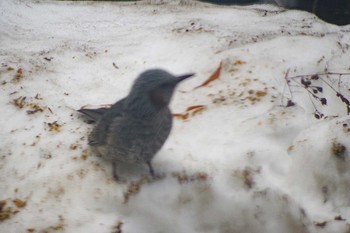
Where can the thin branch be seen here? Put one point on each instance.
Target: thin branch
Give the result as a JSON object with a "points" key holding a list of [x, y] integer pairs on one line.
{"points": [[305, 81], [287, 83], [326, 73]]}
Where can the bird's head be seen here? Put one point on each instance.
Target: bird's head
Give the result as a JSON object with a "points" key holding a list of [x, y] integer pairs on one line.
{"points": [[153, 90]]}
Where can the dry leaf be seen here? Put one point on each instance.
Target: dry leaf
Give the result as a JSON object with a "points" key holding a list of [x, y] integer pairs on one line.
{"points": [[239, 62], [182, 116], [73, 146], [54, 126], [194, 107], [321, 224], [197, 110], [19, 203], [34, 108], [5, 214], [212, 77], [20, 101], [193, 110], [18, 76], [261, 93]]}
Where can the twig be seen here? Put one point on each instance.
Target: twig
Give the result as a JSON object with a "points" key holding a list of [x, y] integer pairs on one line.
{"points": [[287, 83], [305, 81]]}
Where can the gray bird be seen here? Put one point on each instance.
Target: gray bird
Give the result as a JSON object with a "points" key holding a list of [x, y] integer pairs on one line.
{"points": [[135, 128]]}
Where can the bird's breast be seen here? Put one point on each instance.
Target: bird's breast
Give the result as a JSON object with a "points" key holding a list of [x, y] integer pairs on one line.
{"points": [[139, 139]]}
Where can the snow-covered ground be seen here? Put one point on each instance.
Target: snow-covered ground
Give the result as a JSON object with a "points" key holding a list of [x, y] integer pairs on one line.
{"points": [[244, 163]]}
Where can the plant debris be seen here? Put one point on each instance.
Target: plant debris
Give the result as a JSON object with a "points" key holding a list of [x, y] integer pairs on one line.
{"points": [[182, 116], [118, 227], [339, 150], [339, 218], [321, 224], [73, 146], [22, 102], [183, 177], [18, 76], [212, 77], [313, 85], [8, 208], [255, 96], [190, 111], [135, 187], [37, 97], [247, 175], [5, 212], [34, 108], [19, 203], [54, 126], [48, 58], [239, 62]]}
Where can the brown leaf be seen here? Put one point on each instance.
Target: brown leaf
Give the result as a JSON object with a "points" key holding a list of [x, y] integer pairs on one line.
{"points": [[18, 76], [261, 93], [54, 126], [239, 62], [182, 116], [20, 72], [19, 203], [321, 224], [212, 77], [5, 212], [20, 101], [194, 107]]}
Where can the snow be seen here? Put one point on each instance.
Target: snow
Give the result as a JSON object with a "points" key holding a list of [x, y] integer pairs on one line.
{"points": [[245, 163]]}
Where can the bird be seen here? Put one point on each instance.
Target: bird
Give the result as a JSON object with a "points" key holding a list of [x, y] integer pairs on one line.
{"points": [[135, 128]]}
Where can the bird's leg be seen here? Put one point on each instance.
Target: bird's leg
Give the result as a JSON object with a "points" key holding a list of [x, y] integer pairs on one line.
{"points": [[151, 171], [115, 175]]}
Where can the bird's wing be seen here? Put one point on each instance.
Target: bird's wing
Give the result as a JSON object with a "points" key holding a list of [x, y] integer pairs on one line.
{"points": [[99, 134], [93, 115]]}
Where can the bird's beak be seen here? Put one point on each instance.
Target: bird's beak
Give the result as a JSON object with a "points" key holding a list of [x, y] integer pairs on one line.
{"points": [[183, 77]]}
